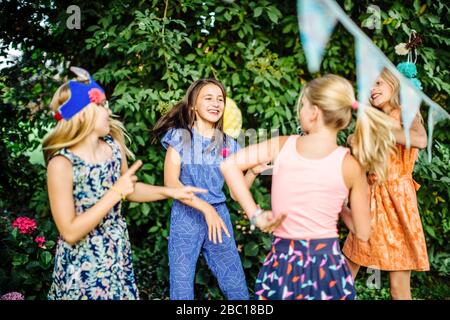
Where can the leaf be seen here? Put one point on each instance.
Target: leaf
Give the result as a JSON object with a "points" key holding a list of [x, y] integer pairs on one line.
{"points": [[259, 49], [120, 88], [258, 12], [273, 17], [145, 209], [45, 259], [235, 79], [445, 180], [273, 14], [251, 249], [227, 16], [267, 242], [49, 244], [140, 140], [19, 259], [422, 9], [430, 231], [190, 57], [247, 263]]}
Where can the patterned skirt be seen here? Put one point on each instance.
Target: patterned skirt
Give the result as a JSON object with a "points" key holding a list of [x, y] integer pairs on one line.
{"points": [[305, 270]]}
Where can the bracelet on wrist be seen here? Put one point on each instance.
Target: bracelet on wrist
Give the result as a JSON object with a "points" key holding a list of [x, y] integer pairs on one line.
{"points": [[117, 190], [255, 215]]}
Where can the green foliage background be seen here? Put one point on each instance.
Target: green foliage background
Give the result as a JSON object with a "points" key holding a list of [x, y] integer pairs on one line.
{"points": [[146, 54]]}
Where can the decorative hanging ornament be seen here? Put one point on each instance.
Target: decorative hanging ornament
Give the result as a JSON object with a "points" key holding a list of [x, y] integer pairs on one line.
{"points": [[408, 68], [232, 119]]}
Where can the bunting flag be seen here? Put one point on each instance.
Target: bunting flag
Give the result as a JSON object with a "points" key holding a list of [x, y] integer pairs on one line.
{"points": [[368, 69], [317, 19], [434, 116], [410, 102], [317, 24]]}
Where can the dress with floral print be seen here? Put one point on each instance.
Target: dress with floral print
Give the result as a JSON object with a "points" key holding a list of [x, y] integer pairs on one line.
{"points": [[99, 266]]}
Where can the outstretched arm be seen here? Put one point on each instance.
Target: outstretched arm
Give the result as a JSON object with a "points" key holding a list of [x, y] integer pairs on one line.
{"points": [[417, 134], [144, 192], [232, 169], [251, 175]]}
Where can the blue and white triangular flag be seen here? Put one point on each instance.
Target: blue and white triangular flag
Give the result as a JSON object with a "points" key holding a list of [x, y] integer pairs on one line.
{"points": [[316, 23], [435, 114], [410, 103], [368, 69]]}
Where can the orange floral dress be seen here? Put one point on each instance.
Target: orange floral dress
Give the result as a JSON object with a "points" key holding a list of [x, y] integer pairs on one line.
{"points": [[397, 241]]}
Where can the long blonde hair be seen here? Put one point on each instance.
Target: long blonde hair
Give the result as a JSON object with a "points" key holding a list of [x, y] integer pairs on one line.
{"points": [[68, 133], [373, 140]]}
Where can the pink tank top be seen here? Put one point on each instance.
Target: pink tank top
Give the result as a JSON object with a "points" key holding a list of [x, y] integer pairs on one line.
{"points": [[310, 192]]}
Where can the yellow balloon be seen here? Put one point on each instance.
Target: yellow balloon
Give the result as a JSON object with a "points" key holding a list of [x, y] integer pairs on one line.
{"points": [[232, 119]]}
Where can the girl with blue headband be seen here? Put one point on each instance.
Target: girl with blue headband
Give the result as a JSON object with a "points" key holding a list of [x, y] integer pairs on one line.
{"points": [[88, 178]]}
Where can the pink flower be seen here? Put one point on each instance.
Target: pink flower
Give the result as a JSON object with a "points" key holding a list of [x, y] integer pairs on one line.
{"points": [[25, 225], [40, 241], [225, 152], [12, 296], [96, 96]]}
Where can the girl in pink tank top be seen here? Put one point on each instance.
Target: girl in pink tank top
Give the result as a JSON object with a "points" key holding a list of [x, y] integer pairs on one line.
{"points": [[312, 178]]}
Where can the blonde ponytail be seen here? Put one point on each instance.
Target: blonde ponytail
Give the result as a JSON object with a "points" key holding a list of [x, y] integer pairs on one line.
{"points": [[373, 141]]}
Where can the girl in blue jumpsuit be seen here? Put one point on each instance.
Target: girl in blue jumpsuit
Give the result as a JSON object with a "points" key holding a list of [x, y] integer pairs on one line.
{"points": [[196, 145]]}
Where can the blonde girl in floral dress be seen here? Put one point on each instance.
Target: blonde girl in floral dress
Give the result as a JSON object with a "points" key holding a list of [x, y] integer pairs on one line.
{"points": [[88, 178]]}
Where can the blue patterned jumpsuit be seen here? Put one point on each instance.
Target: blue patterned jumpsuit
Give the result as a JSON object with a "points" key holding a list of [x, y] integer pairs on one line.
{"points": [[200, 167]]}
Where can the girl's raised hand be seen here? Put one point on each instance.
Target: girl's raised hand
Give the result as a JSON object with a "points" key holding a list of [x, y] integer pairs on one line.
{"points": [[215, 225], [267, 223], [185, 193], [125, 184]]}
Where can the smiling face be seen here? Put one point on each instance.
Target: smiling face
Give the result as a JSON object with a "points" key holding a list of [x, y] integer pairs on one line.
{"points": [[385, 94], [210, 104], [381, 93]]}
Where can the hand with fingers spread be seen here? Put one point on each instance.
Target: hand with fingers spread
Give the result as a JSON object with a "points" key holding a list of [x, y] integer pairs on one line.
{"points": [[126, 183], [185, 193], [267, 223], [215, 225]]}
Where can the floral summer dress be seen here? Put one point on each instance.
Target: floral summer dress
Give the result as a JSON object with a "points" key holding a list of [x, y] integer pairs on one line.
{"points": [[99, 266]]}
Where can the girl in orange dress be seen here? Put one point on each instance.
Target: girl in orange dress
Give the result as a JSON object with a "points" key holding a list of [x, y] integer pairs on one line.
{"points": [[397, 243]]}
